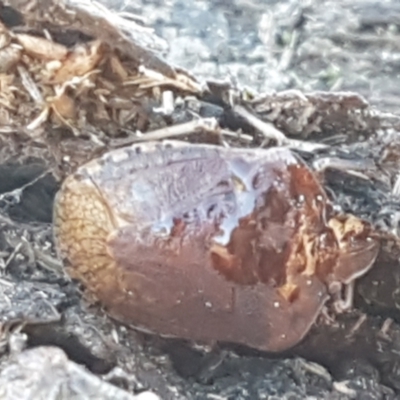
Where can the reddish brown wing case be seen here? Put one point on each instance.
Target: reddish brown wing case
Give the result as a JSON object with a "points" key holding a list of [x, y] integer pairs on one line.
{"points": [[205, 243]]}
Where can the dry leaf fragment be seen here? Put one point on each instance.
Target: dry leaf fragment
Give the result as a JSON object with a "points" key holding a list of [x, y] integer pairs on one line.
{"points": [[118, 68], [9, 57], [41, 48], [7, 91], [120, 103], [4, 117], [80, 61], [5, 36], [63, 106]]}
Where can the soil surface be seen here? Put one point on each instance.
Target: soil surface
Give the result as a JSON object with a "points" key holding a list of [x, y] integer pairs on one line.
{"points": [[276, 45], [266, 46]]}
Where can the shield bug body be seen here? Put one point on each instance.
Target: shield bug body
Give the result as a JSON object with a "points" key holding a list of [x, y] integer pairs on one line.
{"points": [[209, 244]]}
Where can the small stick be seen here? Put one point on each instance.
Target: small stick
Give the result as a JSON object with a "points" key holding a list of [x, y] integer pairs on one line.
{"points": [[270, 132], [351, 167], [185, 129]]}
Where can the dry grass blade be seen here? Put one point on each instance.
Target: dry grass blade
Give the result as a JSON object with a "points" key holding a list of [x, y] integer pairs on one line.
{"points": [[30, 85], [148, 79]]}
